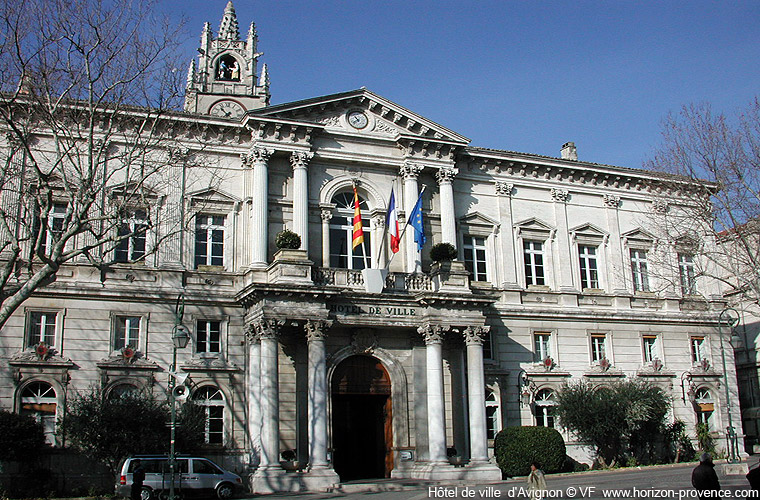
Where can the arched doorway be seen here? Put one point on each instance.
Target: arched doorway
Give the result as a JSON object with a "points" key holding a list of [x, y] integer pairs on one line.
{"points": [[361, 419]]}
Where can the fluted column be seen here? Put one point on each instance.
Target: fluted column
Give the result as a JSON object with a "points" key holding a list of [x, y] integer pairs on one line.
{"points": [[410, 172], [436, 419], [318, 390], [326, 215], [254, 393], [476, 393], [445, 178], [299, 160], [560, 197], [268, 332], [258, 158]]}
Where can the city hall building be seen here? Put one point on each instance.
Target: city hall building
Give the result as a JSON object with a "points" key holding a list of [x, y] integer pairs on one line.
{"points": [[366, 363]]}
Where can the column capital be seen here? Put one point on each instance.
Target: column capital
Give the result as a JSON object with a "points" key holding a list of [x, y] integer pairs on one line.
{"points": [[475, 335], [268, 328], [378, 220], [446, 174], [611, 200], [504, 188], [317, 329], [410, 170], [560, 195], [251, 335], [326, 214], [178, 154], [433, 334], [257, 155], [299, 159]]}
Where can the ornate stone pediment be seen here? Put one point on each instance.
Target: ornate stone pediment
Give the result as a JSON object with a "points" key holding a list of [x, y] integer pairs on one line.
{"points": [[478, 219], [638, 237], [211, 199]]}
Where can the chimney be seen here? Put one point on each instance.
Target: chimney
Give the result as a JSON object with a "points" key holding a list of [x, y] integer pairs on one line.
{"points": [[569, 152]]}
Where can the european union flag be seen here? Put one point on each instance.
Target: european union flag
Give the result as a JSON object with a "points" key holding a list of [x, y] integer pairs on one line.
{"points": [[415, 220]]}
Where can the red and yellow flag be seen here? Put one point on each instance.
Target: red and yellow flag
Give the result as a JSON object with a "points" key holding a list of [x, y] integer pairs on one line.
{"points": [[358, 229]]}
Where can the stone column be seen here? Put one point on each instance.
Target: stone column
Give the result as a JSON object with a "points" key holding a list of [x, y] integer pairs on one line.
{"points": [[445, 177], [326, 215], [617, 259], [560, 197], [299, 160], [436, 416], [318, 391], [476, 393], [410, 172], [379, 254], [254, 393], [268, 332], [508, 261], [258, 157]]}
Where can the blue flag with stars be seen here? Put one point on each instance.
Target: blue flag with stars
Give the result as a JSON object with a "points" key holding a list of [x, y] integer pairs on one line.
{"points": [[415, 220]]}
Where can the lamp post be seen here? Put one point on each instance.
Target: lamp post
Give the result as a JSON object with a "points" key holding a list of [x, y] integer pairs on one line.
{"points": [[180, 338], [731, 319]]}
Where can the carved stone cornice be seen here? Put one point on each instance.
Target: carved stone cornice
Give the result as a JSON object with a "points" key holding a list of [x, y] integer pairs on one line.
{"points": [[299, 159], [410, 170], [560, 195], [316, 330], [256, 156], [433, 334], [611, 200], [475, 335], [504, 188], [446, 175]]}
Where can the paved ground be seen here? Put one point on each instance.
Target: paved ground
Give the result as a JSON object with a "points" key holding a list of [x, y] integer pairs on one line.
{"points": [[669, 481]]}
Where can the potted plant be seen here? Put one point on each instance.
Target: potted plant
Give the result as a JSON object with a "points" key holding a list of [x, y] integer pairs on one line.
{"points": [[289, 462], [447, 273], [287, 239], [443, 252]]}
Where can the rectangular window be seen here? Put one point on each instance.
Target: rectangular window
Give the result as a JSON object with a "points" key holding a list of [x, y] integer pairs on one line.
{"points": [[342, 253], [588, 265], [56, 220], [41, 328], [533, 254], [474, 250], [126, 332], [488, 345], [598, 347], [132, 231], [697, 349], [208, 335], [639, 270], [687, 274], [209, 240], [650, 348], [541, 346]]}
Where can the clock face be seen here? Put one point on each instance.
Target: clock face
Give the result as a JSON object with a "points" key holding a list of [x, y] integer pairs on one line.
{"points": [[357, 119], [227, 109]]}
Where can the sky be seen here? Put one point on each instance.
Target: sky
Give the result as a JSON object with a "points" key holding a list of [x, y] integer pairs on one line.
{"points": [[523, 76]]}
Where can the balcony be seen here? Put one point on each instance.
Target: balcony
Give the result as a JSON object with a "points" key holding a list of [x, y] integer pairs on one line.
{"points": [[352, 279]]}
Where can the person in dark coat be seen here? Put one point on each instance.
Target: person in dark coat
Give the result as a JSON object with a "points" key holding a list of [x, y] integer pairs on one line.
{"points": [[704, 478], [753, 476], [138, 478]]}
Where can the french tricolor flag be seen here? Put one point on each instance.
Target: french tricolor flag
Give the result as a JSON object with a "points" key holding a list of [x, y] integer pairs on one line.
{"points": [[391, 222]]}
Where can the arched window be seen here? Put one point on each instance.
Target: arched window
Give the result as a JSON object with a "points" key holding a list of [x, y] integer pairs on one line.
{"points": [[545, 408], [39, 401], [493, 418], [705, 406], [211, 400], [122, 391], [341, 234]]}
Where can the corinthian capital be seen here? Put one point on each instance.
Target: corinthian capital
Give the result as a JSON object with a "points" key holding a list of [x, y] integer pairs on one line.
{"points": [[446, 174], [256, 156], [475, 334], [410, 170], [299, 159], [317, 329], [433, 334], [504, 188], [268, 328]]}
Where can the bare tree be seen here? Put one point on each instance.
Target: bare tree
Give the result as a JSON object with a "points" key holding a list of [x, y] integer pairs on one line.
{"points": [[720, 226], [88, 109]]}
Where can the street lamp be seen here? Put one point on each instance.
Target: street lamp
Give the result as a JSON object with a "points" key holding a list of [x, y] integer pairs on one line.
{"points": [[731, 319], [180, 338]]}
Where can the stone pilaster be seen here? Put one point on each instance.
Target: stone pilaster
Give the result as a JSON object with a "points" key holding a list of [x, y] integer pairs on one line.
{"points": [[299, 160], [171, 250], [445, 178], [560, 198], [617, 259], [410, 172], [326, 215], [508, 261]]}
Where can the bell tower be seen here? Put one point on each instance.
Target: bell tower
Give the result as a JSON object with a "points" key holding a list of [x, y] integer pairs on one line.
{"points": [[224, 82]]}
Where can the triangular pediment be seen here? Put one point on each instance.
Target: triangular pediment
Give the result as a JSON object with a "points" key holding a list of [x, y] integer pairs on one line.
{"points": [[212, 200], [342, 113], [533, 224], [478, 219], [588, 229], [638, 234]]}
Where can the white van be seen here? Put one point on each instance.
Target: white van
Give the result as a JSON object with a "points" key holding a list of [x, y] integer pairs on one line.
{"points": [[195, 477]]}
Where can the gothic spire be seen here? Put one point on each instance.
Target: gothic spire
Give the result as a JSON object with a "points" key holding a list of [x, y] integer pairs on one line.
{"points": [[228, 29], [264, 78], [191, 74]]}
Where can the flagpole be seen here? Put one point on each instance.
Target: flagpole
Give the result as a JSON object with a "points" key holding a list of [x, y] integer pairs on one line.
{"points": [[384, 250], [403, 231]]}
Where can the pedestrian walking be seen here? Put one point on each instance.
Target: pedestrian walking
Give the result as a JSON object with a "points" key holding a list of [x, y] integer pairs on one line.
{"points": [[138, 478], [536, 482], [753, 476], [704, 478]]}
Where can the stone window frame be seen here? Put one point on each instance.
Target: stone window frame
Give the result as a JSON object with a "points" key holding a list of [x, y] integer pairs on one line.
{"points": [[223, 336], [706, 405], [226, 411], [590, 235], [495, 405], [59, 314], [639, 240], [658, 350], [213, 203], [478, 225], [553, 345], [608, 346], [534, 229], [142, 341], [704, 351], [370, 228], [59, 398], [545, 405]]}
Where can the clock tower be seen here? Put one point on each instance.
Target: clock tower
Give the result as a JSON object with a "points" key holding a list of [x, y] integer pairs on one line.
{"points": [[224, 82]]}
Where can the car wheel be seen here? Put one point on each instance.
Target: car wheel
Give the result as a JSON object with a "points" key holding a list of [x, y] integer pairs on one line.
{"points": [[224, 491], [146, 493]]}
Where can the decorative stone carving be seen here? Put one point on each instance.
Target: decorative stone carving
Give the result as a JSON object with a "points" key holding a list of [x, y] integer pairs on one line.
{"points": [[611, 201], [660, 206], [384, 128], [433, 334], [560, 195], [446, 174], [268, 328], [326, 215], [475, 334], [299, 159], [317, 329], [410, 170], [251, 335], [256, 156], [364, 342], [504, 188]]}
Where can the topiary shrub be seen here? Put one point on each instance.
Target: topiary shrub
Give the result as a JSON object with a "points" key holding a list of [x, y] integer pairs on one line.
{"points": [[287, 239], [443, 252], [516, 447]]}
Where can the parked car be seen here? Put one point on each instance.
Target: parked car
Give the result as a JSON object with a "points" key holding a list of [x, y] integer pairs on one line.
{"points": [[195, 476]]}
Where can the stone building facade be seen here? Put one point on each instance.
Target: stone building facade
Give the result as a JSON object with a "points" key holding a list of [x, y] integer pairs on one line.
{"points": [[302, 350]]}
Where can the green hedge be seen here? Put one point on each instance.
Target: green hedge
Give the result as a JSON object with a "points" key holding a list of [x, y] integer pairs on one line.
{"points": [[517, 447]]}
